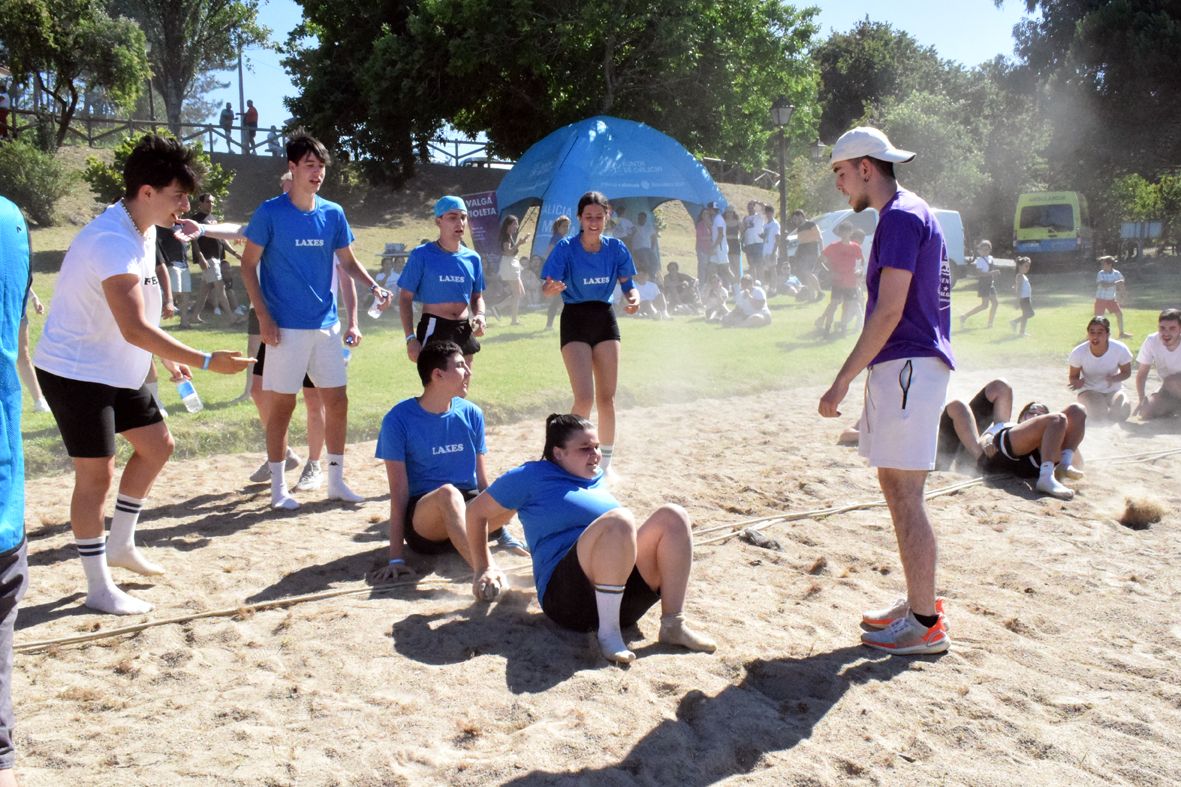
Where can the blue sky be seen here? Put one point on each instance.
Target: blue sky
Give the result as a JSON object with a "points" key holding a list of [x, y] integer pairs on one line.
{"points": [[967, 31]]}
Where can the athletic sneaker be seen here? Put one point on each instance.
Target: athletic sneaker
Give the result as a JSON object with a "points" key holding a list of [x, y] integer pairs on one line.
{"points": [[263, 473], [506, 540], [311, 477], [883, 617], [907, 637]]}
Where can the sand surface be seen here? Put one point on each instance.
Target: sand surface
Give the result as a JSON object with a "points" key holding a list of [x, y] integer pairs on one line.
{"points": [[1064, 667]]}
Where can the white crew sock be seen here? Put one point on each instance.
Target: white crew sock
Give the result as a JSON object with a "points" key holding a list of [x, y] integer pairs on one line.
{"points": [[337, 489], [121, 549], [1067, 457], [101, 593], [608, 599], [608, 450], [280, 498]]}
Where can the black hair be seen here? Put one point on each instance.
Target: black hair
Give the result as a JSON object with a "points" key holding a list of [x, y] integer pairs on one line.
{"points": [[1170, 314], [204, 195], [1025, 410], [886, 168], [1106, 323], [559, 427], [435, 356], [554, 227], [303, 143], [157, 161], [593, 198]]}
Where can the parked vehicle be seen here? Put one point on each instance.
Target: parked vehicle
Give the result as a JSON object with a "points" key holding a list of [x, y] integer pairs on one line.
{"points": [[1052, 225]]}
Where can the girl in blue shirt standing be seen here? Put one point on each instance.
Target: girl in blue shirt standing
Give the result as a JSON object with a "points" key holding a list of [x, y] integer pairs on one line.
{"points": [[585, 269], [594, 566]]}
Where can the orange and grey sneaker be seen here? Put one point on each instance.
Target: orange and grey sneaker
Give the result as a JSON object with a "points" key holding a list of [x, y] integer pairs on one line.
{"points": [[907, 637], [880, 618]]}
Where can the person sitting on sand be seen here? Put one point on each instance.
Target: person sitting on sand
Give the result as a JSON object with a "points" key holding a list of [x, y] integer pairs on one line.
{"points": [[1098, 368], [1040, 445], [433, 446], [1162, 350], [595, 567]]}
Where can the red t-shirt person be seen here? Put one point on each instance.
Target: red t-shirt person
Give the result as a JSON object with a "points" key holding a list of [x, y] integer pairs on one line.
{"points": [[842, 258]]}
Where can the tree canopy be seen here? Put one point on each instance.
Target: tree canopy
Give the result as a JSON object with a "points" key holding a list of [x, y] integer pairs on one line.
{"points": [[382, 78]]}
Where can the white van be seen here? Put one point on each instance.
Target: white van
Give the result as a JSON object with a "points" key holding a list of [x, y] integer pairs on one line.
{"points": [[867, 220]]}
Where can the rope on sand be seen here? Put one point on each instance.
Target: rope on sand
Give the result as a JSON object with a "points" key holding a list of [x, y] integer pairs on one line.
{"points": [[735, 528], [240, 611]]}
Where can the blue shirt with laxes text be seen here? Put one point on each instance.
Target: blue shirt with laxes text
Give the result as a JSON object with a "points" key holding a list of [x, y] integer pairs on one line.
{"points": [[589, 276], [437, 448], [436, 275], [297, 264], [554, 507]]}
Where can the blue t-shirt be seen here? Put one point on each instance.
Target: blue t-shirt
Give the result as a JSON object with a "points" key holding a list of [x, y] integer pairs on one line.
{"points": [[554, 507], [437, 448], [14, 284], [297, 265], [909, 238], [436, 275], [589, 276]]}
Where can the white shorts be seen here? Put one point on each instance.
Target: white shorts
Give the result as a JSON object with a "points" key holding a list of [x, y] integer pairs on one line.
{"points": [[510, 269], [212, 274], [314, 352], [904, 400], [180, 279]]}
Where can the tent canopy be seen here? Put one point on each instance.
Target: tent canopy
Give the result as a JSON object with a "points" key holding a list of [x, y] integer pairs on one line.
{"points": [[632, 163]]}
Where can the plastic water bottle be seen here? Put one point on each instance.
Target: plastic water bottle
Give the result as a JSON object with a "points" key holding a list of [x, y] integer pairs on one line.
{"points": [[188, 395], [375, 307]]}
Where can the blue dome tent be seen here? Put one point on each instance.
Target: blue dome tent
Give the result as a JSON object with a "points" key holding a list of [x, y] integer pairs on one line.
{"points": [[632, 163]]}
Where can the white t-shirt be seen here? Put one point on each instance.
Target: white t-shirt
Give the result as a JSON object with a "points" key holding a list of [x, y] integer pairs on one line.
{"points": [[1105, 284], [623, 227], [984, 264], [1095, 370], [752, 230], [1154, 352], [642, 236], [1024, 290], [81, 340], [719, 230], [750, 304], [649, 291], [770, 237]]}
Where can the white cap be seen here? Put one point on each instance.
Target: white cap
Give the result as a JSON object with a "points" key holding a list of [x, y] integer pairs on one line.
{"points": [[867, 141]]}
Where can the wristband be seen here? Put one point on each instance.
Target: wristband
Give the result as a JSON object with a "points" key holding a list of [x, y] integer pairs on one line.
{"points": [[200, 230], [396, 561], [628, 286], [409, 337], [374, 287], [208, 359]]}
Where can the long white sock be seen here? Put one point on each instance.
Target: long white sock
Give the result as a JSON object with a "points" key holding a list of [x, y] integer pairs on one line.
{"points": [[337, 489], [121, 549], [280, 497], [1067, 457], [101, 593], [608, 599], [608, 450], [1046, 470]]}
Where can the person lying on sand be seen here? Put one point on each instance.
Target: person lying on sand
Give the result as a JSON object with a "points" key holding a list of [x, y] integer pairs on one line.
{"points": [[433, 447], [594, 566]]}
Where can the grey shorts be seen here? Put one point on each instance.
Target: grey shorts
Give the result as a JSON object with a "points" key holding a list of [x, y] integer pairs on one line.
{"points": [[14, 579]]}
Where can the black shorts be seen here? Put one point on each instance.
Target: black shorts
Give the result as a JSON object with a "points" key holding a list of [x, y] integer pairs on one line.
{"points": [[949, 442], [804, 262], [260, 360], [844, 294], [89, 415], [589, 322], [986, 288], [432, 328], [1007, 461], [1027, 307], [424, 546], [570, 597]]}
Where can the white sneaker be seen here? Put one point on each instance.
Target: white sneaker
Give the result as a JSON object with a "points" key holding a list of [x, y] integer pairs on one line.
{"points": [[263, 473], [293, 460], [311, 478]]}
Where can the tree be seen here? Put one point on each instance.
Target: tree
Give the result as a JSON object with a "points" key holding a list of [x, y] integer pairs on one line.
{"points": [[106, 180], [71, 46], [702, 71], [191, 37]]}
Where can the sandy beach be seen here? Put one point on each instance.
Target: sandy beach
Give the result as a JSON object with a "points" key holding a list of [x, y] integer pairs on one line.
{"points": [[1064, 667]]}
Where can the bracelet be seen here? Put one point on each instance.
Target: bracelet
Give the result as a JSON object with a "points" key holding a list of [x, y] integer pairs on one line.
{"points": [[200, 230], [409, 337], [396, 561], [208, 359], [374, 287]]}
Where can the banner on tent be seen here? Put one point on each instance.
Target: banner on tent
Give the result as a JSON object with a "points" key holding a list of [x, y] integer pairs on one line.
{"points": [[484, 224]]}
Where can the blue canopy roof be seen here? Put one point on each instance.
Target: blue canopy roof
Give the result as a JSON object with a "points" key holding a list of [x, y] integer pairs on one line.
{"points": [[632, 163]]}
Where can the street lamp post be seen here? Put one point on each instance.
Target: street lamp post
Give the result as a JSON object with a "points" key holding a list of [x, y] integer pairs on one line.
{"points": [[151, 97], [781, 112]]}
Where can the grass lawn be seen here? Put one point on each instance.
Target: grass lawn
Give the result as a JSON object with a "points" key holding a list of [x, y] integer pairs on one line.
{"points": [[519, 373]]}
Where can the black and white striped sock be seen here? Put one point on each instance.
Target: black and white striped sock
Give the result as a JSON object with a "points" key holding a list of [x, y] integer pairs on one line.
{"points": [[124, 521]]}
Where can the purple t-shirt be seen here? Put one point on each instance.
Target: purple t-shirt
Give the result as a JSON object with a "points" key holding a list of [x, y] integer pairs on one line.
{"points": [[909, 238]]}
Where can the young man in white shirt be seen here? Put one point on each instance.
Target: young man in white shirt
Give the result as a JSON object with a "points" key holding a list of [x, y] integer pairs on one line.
{"points": [[1161, 350], [95, 352]]}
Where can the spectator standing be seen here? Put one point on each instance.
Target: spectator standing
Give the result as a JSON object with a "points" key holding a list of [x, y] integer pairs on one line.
{"points": [[807, 255], [1161, 350], [171, 252], [753, 227], [842, 257], [1024, 291], [209, 254], [719, 252], [1110, 289], [643, 245], [250, 121], [510, 264], [226, 121], [770, 254], [704, 239], [15, 282], [733, 241], [985, 283]]}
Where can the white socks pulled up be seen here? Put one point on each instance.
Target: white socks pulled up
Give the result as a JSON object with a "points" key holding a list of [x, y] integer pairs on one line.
{"points": [[337, 489], [121, 549], [101, 593], [608, 599]]}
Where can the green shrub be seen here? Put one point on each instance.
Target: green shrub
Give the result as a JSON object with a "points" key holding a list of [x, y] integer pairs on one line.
{"points": [[33, 179], [106, 180]]}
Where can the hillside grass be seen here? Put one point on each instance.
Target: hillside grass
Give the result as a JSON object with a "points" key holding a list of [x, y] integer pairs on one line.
{"points": [[519, 374]]}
